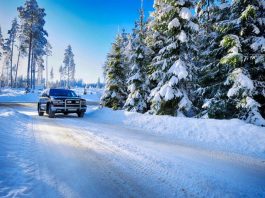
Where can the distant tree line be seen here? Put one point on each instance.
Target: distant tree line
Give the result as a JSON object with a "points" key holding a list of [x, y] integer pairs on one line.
{"points": [[29, 39], [210, 65]]}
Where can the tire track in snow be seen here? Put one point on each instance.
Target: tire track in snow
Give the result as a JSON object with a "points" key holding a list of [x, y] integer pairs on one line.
{"points": [[16, 161], [129, 161], [207, 179], [105, 170]]}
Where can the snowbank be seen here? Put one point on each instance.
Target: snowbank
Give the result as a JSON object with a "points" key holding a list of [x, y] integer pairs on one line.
{"points": [[16, 154], [224, 135], [93, 94], [19, 95]]}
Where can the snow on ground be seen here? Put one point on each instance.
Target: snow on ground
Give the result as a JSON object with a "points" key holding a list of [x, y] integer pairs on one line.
{"points": [[120, 154], [19, 95], [225, 135], [93, 94], [16, 160]]}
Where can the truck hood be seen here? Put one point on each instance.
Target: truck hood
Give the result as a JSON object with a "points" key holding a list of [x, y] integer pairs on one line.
{"points": [[64, 98]]}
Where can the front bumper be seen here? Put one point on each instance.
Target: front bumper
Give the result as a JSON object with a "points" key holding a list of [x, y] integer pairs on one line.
{"points": [[64, 108], [68, 109]]}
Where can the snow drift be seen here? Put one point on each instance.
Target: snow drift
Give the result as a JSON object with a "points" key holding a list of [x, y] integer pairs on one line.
{"points": [[19, 96], [16, 154], [223, 135]]}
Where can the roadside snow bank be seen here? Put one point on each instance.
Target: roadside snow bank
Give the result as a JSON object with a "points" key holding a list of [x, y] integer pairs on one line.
{"points": [[18, 95], [93, 94], [224, 135], [16, 154]]}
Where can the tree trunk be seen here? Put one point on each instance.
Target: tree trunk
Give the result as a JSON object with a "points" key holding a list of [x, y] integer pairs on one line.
{"points": [[47, 74], [34, 74], [32, 69], [11, 63], [17, 69], [68, 76], [29, 60]]}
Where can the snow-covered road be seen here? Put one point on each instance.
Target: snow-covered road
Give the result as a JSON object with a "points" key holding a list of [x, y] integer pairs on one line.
{"points": [[73, 157]]}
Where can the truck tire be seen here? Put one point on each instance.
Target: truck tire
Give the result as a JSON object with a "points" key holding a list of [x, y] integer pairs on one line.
{"points": [[81, 114], [51, 114], [39, 111]]}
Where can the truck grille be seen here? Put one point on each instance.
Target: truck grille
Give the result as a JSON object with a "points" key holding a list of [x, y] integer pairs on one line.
{"points": [[73, 103]]}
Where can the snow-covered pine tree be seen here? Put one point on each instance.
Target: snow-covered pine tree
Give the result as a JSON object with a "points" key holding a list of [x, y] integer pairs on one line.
{"points": [[174, 20], [22, 52], [8, 48], [32, 31], [61, 72], [6, 62], [38, 52], [245, 44], [1, 43], [137, 81], [51, 74], [210, 96], [115, 89], [12, 37], [69, 66], [1, 50], [155, 40], [48, 52], [40, 70], [124, 47], [98, 83]]}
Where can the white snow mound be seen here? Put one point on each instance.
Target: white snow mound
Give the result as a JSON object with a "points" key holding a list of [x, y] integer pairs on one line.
{"points": [[233, 135]]}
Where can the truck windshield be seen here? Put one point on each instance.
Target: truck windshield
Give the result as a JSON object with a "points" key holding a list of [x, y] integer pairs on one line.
{"points": [[62, 92]]}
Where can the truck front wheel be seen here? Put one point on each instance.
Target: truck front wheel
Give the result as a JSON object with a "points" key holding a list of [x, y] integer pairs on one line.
{"points": [[81, 114], [51, 114], [39, 111]]}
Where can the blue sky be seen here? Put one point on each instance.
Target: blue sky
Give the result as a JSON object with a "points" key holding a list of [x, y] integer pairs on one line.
{"points": [[88, 25]]}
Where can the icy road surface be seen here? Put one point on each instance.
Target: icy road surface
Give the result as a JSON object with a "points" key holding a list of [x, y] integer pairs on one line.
{"points": [[73, 157]]}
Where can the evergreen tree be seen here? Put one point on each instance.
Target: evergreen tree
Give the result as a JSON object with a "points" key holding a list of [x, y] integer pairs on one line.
{"points": [[40, 69], [69, 66], [210, 75], [1, 43], [48, 52], [173, 20], [12, 37], [1, 54], [61, 72], [33, 33], [245, 44], [138, 89], [125, 57], [51, 74], [6, 61], [155, 40], [115, 89], [125, 42], [98, 84], [22, 52], [37, 64]]}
